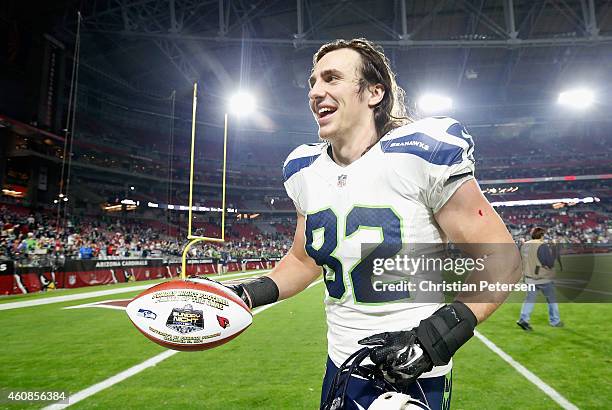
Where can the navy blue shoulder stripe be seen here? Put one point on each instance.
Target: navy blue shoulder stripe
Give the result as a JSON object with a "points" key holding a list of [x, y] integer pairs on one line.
{"points": [[295, 165], [426, 147], [459, 131]]}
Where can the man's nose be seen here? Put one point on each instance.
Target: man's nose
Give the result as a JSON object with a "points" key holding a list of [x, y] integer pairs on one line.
{"points": [[317, 91]]}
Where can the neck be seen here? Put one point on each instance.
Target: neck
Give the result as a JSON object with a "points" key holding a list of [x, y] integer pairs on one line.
{"points": [[349, 149]]}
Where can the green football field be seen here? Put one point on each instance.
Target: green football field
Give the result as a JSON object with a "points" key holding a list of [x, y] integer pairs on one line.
{"points": [[278, 363]]}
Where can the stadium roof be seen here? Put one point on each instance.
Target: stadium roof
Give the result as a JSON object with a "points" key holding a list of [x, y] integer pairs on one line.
{"points": [[505, 59]]}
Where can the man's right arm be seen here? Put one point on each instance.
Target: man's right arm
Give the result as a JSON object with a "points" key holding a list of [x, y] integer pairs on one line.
{"points": [[292, 274], [296, 270]]}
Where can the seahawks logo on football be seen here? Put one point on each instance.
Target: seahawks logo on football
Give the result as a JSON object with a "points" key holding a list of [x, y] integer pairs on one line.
{"points": [[185, 320], [223, 322], [147, 313]]}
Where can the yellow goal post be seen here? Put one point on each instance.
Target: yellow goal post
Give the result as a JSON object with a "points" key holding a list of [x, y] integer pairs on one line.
{"points": [[193, 239]]}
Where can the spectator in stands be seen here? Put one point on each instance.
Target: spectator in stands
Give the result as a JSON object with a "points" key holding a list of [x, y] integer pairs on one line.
{"points": [[85, 251], [225, 256], [538, 270], [31, 242]]}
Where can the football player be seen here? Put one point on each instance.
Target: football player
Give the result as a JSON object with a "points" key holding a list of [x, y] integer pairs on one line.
{"points": [[378, 177]]}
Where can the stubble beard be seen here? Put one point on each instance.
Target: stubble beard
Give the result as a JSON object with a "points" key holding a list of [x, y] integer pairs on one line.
{"points": [[327, 137]]}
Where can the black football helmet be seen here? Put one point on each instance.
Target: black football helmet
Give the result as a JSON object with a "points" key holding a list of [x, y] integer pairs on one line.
{"points": [[389, 398]]}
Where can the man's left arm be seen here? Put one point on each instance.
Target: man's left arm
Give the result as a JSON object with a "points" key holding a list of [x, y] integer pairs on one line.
{"points": [[470, 222]]}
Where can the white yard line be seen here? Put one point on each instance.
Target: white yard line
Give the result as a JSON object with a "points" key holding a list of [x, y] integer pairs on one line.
{"points": [[539, 383], [100, 304], [83, 394], [95, 294], [90, 391], [96, 304]]}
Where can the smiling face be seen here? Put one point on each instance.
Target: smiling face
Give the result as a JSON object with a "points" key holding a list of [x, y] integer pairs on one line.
{"points": [[334, 96]]}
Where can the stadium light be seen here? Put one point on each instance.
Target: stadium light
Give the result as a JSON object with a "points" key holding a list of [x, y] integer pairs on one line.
{"points": [[242, 103], [553, 201], [577, 98], [432, 103]]}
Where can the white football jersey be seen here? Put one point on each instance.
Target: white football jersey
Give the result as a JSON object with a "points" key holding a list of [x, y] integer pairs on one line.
{"points": [[388, 196]]}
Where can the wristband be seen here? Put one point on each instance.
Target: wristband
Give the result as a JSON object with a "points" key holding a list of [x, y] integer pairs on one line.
{"points": [[258, 292], [444, 332]]}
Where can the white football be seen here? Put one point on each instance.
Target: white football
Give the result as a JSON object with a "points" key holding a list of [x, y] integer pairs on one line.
{"points": [[189, 315]]}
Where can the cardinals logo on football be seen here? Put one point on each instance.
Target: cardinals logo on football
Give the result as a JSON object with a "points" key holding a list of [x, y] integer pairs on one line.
{"points": [[223, 322]]}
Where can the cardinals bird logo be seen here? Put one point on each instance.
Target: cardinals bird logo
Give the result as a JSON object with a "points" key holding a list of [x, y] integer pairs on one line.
{"points": [[223, 322]]}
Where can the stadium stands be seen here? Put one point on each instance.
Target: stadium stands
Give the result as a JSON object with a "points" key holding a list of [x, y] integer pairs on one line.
{"points": [[33, 239], [115, 160]]}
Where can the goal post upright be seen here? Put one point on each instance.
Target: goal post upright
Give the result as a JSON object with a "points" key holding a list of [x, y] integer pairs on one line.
{"points": [[193, 239]]}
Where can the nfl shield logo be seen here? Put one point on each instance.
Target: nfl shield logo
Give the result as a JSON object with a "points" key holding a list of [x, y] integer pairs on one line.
{"points": [[341, 180]]}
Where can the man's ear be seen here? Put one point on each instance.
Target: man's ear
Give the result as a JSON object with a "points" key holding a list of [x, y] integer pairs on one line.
{"points": [[376, 94]]}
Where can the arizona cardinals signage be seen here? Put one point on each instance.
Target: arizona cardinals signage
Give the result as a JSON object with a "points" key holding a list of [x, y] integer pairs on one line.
{"points": [[76, 273]]}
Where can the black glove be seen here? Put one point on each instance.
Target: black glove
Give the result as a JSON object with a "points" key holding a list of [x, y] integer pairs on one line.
{"points": [[398, 356], [404, 356], [256, 292]]}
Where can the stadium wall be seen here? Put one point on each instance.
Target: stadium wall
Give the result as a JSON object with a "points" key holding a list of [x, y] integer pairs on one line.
{"points": [[81, 273]]}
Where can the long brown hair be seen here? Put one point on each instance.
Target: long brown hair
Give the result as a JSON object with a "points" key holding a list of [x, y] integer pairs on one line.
{"points": [[390, 112]]}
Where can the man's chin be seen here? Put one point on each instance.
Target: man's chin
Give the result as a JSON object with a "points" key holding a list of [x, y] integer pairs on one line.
{"points": [[326, 135]]}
